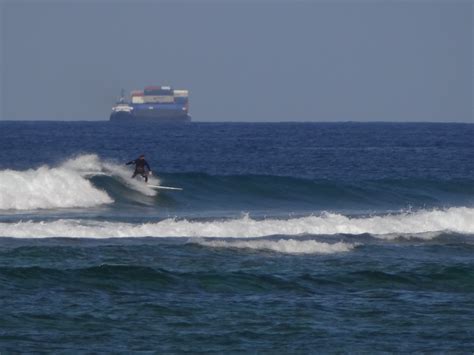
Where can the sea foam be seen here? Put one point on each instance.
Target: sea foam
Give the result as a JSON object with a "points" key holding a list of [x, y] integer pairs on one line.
{"points": [[64, 186], [422, 224], [91, 164], [46, 187], [287, 246]]}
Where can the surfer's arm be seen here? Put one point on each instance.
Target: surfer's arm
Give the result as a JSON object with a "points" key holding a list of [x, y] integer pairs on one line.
{"points": [[130, 162], [148, 166]]}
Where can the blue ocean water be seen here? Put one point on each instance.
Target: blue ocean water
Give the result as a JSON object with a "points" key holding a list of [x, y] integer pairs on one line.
{"points": [[287, 237]]}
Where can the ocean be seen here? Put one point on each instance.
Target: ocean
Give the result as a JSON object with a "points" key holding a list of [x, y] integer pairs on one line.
{"points": [[286, 238]]}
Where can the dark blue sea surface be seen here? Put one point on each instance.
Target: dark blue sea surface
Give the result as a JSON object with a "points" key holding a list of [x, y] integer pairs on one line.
{"points": [[286, 237]]}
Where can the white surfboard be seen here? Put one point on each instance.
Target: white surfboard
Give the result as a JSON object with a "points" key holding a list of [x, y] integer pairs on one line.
{"points": [[93, 173], [159, 187]]}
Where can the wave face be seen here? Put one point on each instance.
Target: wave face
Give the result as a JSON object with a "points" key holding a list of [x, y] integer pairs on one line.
{"points": [[421, 223], [269, 191]]}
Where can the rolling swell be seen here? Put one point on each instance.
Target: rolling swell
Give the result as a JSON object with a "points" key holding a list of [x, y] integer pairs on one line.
{"points": [[106, 276], [455, 277], [268, 189], [250, 192]]}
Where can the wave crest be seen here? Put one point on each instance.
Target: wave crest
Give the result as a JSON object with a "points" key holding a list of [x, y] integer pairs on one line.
{"points": [[46, 187], [424, 224], [65, 186], [287, 246]]}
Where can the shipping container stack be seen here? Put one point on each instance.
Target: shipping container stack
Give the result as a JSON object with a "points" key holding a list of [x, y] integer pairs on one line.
{"points": [[161, 103]]}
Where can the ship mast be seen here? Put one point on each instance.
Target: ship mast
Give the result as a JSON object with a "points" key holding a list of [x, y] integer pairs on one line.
{"points": [[122, 96]]}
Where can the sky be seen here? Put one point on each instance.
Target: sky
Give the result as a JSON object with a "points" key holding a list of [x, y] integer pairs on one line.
{"points": [[261, 60]]}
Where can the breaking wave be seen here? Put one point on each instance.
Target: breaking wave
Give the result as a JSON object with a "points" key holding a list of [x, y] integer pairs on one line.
{"points": [[287, 246], [65, 186], [424, 224], [46, 187], [88, 181]]}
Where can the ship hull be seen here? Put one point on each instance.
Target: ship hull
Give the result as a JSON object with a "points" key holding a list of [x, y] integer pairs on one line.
{"points": [[120, 116], [150, 117]]}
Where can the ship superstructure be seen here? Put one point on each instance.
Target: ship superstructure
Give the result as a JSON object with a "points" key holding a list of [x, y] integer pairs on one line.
{"points": [[160, 104]]}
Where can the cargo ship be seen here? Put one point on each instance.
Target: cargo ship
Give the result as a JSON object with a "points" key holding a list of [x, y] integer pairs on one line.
{"points": [[160, 104]]}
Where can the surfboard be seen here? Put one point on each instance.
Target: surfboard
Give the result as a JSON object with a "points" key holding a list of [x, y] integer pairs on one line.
{"points": [[159, 187], [93, 173]]}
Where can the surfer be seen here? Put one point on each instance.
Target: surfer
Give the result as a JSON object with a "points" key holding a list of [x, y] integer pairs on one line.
{"points": [[140, 165]]}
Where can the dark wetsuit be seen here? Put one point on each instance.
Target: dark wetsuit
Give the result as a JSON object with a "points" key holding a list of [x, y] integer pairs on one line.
{"points": [[140, 165]]}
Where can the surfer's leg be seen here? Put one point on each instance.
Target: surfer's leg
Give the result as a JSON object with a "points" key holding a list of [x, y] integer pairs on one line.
{"points": [[134, 174], [145, 176]]}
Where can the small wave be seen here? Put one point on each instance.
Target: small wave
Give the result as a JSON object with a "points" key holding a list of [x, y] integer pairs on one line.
{"points": [[424, 223], [65, 186], [287, 246], [110, 277], [455, 277], [105, 272]]}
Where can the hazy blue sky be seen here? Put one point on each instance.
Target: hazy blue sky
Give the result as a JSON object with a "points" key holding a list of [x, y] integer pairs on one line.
{"points": [[241, 60]]}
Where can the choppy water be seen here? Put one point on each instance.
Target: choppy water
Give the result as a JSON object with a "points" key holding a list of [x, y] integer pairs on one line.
{"points": [[286, 237]]}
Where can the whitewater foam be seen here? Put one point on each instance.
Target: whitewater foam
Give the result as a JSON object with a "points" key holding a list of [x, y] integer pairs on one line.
{"points": [[46, 187], [287, 246], [65, 186], [91, 164], [421, 223]]}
